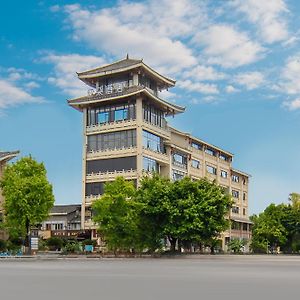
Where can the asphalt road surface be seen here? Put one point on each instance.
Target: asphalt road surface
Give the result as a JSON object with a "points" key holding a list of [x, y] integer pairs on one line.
{"points": [[200, 277]]}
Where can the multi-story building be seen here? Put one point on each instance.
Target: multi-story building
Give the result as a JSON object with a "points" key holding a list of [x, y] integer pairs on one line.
{"points": [[4, 158], [125, 133]]}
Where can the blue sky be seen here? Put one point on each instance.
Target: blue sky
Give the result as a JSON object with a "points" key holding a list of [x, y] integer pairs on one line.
{"points": [[237, 66]]}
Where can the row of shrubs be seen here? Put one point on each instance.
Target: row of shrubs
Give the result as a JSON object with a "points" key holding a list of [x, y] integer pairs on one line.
{"points": [[11, 245], [64, 245]]}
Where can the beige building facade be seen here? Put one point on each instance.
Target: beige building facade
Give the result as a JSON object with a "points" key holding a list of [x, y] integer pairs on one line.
{"points": [[126, 133]]}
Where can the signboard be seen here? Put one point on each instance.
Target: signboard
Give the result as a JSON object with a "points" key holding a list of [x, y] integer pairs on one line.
{"points": [[34, 243], [111, 88], [88, 248]]}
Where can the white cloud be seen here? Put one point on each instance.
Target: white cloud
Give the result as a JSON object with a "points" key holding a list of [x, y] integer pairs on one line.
{"points": [[31, 85], [202, 73], [269, 16], [290, 82], [144, 30], [231, 89], [65, 68], [199, 87], [225, 46], [292, 105], [12, 95], [251, 80]]}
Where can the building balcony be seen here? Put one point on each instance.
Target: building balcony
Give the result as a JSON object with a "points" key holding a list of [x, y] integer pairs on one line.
{"points": [[164, 131], [124, 124], [109, 153], [110, 176], [162, 158]]}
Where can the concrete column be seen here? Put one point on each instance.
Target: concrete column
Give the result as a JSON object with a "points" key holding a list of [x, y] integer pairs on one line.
{"points": [[84, 149], [139, 136]]}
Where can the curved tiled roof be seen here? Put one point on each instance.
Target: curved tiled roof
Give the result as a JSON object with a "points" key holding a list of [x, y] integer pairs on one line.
{"points": [[78, 103], [121, 66]]}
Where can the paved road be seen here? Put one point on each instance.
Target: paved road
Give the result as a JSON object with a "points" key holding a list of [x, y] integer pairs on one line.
{"points": [[204, 277]]}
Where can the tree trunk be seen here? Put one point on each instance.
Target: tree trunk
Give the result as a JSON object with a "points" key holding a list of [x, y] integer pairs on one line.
{"points": [[27, 243], [173, 244]]}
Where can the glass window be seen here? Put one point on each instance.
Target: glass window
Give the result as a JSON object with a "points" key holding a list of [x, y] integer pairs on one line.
{"points": [[211, 170], [113, 140], [224, 174], [111, 113], [103, 117], [153, 115], [180, 159], [235, 194], [195, 163], [244, 196], [196, 145], [235, 178], [223, 157], [210, 151], [235, 209], [152, 141], [150, 165], [177, 175]]}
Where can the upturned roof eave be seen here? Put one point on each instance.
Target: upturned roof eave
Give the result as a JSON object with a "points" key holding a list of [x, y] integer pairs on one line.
{"points": [[77, 104], [9, 155], [84, 75]]}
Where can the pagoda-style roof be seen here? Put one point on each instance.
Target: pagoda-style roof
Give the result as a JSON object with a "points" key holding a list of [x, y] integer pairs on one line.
{"points": [[6, 156], [81, 102], [121, 66]]}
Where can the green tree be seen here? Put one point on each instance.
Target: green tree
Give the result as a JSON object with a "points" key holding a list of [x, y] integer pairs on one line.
{"points": [[197, 212], [116, 213], [154, 197], [295, 200], [184, 211], [28, 195], [268, 229]]}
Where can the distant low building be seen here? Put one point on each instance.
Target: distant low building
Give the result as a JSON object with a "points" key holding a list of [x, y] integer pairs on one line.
{"points": [[63, 221]]}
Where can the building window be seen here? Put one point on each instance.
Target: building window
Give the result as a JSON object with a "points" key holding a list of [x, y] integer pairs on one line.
{"points": [[195, 164], [224, 174], [121, 114], [111, 165], [235, 210], [211, 170], [223, 157], [152, 142], [95, 188], [196, 145], [177, 175], [235, 194], [111, 113], [244, 181], [210, 151], [150, 165], [244, 211], [180, 159], [153, 115], [245, 227], [112, 140], [235, 178], [244, 196]]}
